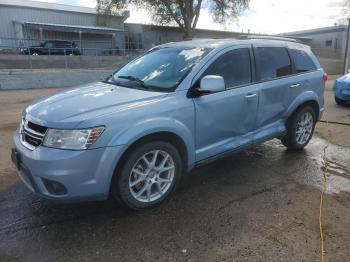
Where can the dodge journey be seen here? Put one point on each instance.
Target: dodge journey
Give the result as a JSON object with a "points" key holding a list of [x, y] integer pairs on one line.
{"points": [[179, 105]]}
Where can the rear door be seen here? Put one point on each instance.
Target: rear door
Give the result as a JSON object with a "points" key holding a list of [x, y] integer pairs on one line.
{"points": [[304, 77], [274, 68]]}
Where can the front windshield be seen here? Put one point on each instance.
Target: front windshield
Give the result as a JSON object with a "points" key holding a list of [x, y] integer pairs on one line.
{"points": [[161, 69]]}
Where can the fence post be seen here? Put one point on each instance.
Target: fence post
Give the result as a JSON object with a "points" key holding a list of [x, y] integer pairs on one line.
{"points": [[97, 58], [346, 58], [65, 58], [30, 60]]}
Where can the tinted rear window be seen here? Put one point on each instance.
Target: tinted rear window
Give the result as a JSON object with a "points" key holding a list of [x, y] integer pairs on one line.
{"points": [[302, 61], [272, 62], [233, 66]]}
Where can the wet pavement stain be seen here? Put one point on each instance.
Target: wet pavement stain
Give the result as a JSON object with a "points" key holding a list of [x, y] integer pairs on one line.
{"points": [[257, 205]]}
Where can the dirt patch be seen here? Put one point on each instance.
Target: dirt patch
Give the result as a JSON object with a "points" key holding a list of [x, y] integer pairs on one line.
{"points": [[9, 127], [336, 134]]}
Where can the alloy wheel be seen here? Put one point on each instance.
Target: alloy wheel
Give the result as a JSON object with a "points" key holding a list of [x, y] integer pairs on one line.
{"points": [[304, 128], [151, 176]]}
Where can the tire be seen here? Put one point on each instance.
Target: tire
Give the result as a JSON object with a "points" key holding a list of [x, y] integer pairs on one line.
{"points": [[154, 187], [294, 139]]}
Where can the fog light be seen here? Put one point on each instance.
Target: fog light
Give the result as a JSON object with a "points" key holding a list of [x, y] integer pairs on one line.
{"points": [[54, 187]]}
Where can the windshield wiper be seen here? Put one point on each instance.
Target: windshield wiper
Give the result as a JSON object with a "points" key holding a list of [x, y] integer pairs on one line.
{"points": [[135, 79]]}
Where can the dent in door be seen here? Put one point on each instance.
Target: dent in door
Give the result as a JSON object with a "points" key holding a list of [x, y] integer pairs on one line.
{"points": [[216, 117], [273, 103]]}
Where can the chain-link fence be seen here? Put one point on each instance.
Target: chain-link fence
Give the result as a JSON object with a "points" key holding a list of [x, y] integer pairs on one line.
{"points": [[28, 54], [18, 58], [34, 54]]}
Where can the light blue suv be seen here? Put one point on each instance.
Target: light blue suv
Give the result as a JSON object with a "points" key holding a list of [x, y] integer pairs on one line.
{"points": [[177, 106]]}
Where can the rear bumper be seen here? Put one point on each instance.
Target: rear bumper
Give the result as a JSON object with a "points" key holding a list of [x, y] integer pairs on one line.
{"points": [[85, 175]]}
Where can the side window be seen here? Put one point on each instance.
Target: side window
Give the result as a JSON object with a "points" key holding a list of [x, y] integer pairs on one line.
{"points": [[233, 66], [272, 62], [60, 44], [302, 61], [67, 44]]}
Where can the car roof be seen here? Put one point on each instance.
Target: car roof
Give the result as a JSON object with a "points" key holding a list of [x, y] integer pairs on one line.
{"points": [[227, 42]]}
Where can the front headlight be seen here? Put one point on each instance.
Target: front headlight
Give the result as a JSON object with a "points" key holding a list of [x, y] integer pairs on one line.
{"points": [[72, 139]]}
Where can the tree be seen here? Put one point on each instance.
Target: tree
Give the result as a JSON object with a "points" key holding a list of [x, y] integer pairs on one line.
{"points": [[184, 13]]}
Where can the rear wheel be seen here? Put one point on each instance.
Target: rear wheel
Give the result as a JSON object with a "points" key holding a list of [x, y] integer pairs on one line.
{"points": [[149, 175], [300, 128]]}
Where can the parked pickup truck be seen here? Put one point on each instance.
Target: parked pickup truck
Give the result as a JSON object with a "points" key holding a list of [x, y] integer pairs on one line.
{"points": [[54, 47]]}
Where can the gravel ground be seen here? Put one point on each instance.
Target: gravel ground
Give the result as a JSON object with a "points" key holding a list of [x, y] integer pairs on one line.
{"points": [[225, 211]]}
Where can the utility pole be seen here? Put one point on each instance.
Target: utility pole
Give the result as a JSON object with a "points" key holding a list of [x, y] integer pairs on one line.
{"points": [[346, 60]]}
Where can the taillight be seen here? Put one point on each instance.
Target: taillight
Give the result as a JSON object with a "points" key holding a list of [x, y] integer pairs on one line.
{"points": [[325, 76]]}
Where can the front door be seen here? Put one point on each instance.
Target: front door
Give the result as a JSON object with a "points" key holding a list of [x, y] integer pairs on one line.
{"points": [[225, 120]]}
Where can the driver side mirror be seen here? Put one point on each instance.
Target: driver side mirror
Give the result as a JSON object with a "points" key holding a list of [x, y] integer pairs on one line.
{"points": [[211, 84]]}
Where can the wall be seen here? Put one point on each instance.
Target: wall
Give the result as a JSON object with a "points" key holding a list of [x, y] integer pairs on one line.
{"points": [[332, 66], [50, 79], [9, 14], [156, 35], [317, 40], [336, 50]]}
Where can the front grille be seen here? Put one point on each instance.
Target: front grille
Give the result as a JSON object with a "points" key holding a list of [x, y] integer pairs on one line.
{"points": [[37, 128], [32, 134]]}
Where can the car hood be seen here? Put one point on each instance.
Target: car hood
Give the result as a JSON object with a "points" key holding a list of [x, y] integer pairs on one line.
{"points": [[69, 108]]}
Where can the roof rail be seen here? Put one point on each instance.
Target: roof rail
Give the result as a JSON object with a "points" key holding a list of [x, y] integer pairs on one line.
{"points": [[267, 37]]}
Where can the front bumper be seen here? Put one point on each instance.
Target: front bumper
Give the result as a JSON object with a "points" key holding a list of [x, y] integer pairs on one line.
{"points": [[342, 94], [341, 91], [84, 174]]}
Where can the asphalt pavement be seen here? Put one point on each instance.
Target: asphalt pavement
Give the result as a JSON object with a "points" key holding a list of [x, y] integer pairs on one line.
{"points": [[261, 204]]}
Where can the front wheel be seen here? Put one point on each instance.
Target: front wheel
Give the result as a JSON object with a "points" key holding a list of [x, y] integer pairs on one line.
{"points": [[300, 128], [149, 175]]}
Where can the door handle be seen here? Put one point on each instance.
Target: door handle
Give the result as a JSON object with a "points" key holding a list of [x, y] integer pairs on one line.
{"points": [[250, 96], [295, 85]]}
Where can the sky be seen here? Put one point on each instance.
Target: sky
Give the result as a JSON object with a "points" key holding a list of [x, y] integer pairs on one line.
{"points": [[263, 16]]}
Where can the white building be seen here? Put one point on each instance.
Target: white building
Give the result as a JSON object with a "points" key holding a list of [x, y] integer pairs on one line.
{"points": [[327, 42]]}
